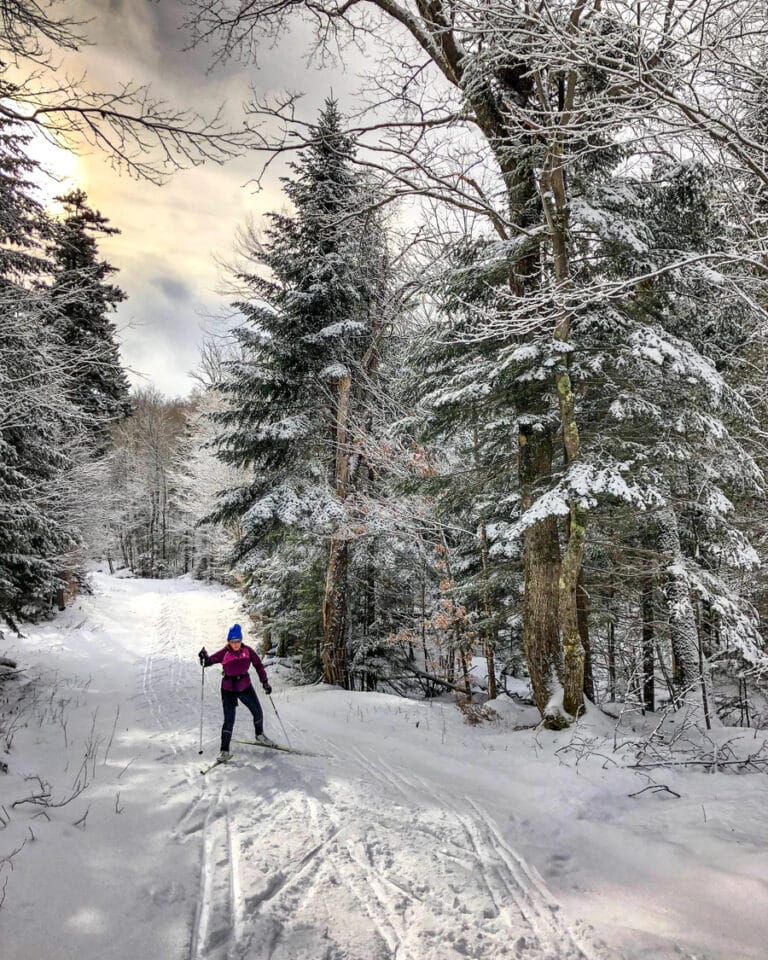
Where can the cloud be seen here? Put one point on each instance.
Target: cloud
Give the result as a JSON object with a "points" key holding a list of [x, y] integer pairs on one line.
{"points": [[172, 238], [173, 289]]}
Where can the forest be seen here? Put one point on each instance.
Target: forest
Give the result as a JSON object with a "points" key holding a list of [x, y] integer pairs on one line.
{"points": [[493, 407]]}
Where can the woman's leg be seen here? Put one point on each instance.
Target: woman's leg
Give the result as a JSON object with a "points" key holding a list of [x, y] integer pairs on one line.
{"points": [[229, 703], [249, 698]]}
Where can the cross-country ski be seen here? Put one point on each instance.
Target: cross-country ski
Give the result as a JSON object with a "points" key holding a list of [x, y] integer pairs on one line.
{"points": [[277, 746], [216, 763], [230, 761]]}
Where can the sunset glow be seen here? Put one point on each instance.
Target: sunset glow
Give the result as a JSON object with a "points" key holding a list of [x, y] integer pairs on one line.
{"points": [[59, 171]]}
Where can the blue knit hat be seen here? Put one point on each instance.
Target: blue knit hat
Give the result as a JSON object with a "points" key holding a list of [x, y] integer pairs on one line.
{"points": [[235, 633]]}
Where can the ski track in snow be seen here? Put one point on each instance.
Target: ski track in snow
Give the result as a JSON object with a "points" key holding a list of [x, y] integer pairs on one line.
{"points": [[378, 867], [366, 863], [345, 856]]}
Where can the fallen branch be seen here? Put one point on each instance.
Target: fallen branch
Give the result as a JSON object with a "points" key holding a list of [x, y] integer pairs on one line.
{"points": [[414, 671], [656, 788], [749, 762], [125, 767], [41, 798], [8, 858]]}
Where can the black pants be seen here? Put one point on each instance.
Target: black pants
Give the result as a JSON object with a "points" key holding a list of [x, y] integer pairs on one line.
{"points": [[229, 700]]}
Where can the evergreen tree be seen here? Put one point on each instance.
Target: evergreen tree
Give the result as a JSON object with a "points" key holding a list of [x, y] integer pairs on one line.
{"points": [[297, 394], [468, 406], [668, 439], [668, 433], [35, 415], [85, 299]]}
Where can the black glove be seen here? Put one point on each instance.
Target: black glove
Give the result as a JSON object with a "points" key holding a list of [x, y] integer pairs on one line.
{"points": [[202, 656], [267, 689]]}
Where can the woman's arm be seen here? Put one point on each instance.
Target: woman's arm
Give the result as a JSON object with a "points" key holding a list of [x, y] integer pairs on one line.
{"points": [[256, 661], [215, 657]]}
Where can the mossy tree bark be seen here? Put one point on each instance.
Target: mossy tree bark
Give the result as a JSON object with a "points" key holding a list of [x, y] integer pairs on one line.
{"points": [[554, 200], [541, 558]]}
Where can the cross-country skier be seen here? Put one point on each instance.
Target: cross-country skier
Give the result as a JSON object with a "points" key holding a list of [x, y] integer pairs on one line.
{"points": [[235, 659]]}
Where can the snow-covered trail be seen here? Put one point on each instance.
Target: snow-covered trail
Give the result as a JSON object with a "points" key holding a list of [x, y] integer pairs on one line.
{"points": [[410, 836], [346, 857]]}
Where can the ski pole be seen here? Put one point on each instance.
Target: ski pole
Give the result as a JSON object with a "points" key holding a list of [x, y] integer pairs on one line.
{"points": [[202, 700], [285, 734]]}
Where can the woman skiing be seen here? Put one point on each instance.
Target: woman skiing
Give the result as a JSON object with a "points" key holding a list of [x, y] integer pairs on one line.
{"points": [[235, 659]]}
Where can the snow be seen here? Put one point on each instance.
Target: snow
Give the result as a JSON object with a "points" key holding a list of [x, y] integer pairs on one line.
{"points": [[410, 834], [334, 371], [678, 357], [528, 351], [609, 224]]}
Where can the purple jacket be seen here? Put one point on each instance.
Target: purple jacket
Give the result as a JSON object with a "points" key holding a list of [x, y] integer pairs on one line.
{"points": [[235, 666]]}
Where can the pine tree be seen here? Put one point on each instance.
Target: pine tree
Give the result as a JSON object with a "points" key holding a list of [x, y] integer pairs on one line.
{"points": [[35, 415], [85, 299], [468, 407], [308, 348], [668, 433]]}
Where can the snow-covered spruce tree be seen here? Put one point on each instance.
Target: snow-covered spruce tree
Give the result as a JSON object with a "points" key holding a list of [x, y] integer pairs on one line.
{"points": [[97, 387], [309, 345], [667, 431], [35, 414], [714, 476], [468, 411], [84, 301]]}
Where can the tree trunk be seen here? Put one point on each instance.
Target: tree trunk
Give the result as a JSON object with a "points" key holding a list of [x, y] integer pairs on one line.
{"points": [[458, 633], [152, 538], [163, 517], [573, 652], [682, 619], [334, 613], [370, 587], [489, 630], [582, 600], [541, 557], [649, 646], [489, 638], [335, 596], [611, 643], [556, 211]]}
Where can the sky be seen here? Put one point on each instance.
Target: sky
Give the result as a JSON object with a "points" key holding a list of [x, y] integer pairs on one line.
{"points": [[174, 238]]}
